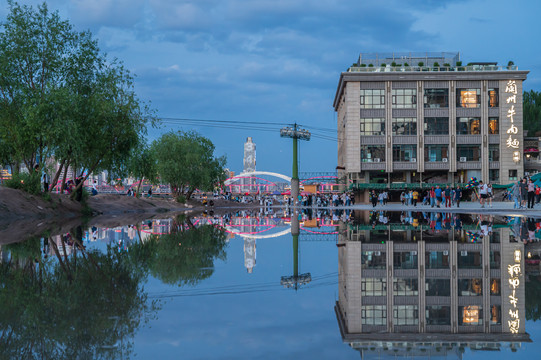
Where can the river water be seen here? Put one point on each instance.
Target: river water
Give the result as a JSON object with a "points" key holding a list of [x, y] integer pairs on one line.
{"points": [[270, 284]]}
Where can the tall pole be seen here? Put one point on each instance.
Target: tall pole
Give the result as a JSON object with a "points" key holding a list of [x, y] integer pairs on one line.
{"points": [[295, 171], [295, 133]]}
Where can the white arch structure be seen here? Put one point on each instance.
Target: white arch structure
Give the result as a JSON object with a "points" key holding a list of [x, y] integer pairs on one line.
{"points": [[258, 236], [253, 173]]}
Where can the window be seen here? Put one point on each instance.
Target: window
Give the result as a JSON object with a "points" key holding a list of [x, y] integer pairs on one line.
{"points": [[436, 98], [495, 259], [468, 98], [405, 153], [372, 99], [470, 287], [494, 175], [405, 260], [436, 126], [372, 153], [436, 153], [437, 259], [374, 315], [405, 287], [493, 125], [493, 100], [404, 98], [406, 315], [468, 126], [469, 260], [438, 315], [468, 152], [373, 260], [438, 287], [372, 126], [496, 315], [470, 315], [512, 174], [495, 287], [404, 126], [493, 152], [373, 287]]}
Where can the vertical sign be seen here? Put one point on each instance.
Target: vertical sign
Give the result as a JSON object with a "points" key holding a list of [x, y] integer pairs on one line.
{"points": [[512, 141]]}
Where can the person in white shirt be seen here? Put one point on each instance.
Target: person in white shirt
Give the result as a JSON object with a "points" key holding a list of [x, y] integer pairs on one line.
{"points": [[483, 193]]}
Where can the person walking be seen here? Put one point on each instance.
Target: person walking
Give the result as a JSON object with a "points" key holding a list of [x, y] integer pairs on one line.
{"points": [[374, 198], [531, 194], [515, 194], [458, 196], [432, 196], [415, 197], [438, 192], [490, 195], [447, 196], [402, 197], [523, 193], [483, 193], [537, 194]]}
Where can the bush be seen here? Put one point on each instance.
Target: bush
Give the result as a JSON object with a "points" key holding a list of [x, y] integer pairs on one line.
{"points": [[29, 183], [421, 64]]}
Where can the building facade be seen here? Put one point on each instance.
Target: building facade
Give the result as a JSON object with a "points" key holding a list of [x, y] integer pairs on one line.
{"points": [[417, 121]]}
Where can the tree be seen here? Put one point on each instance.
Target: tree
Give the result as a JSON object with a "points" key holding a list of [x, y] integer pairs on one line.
{"points": [[142, 165], [186, 161], [61, 97], [532, 112]]}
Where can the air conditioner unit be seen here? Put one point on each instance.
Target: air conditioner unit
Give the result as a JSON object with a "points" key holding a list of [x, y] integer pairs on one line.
{"points": [[377, 253], [413, 160], [445, 252], [414, 253], [463, 253], [444, 159], [377, 159], [463, 159]]}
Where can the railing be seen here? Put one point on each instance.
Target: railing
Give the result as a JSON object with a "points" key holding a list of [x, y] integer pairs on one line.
{"points": [[431, 69]]}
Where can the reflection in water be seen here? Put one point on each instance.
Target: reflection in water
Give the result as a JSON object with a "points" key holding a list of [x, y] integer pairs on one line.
{"points": [[61, 300], [431, 284]]}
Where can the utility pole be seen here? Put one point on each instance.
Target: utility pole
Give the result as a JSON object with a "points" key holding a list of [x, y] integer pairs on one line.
{"points": [[296, 280], [295, 133]]}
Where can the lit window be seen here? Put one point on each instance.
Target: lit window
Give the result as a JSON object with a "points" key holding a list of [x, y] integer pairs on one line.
{"points": [[468, 98]]}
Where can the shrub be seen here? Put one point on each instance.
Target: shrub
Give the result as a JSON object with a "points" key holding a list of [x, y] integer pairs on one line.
{"points": [[181, 199], [421, 64], [29, 183]]}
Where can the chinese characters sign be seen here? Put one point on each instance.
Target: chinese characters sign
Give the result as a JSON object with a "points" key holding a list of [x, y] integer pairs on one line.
{"points": [[511, 93], [514, 271]]}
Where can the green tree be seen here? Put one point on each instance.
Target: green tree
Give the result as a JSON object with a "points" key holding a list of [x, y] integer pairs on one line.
{"points": [[186, 161], [532, 112], [61, 97], [142, 165]]}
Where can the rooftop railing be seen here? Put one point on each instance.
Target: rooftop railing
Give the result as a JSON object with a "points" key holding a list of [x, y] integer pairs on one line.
{"points": [[390, 68]]}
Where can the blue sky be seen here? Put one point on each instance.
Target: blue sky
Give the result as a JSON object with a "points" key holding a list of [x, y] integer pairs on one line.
{"points": [[279, 61]]}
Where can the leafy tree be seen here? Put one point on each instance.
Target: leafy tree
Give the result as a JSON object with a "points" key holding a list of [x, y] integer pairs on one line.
{"points": [[532, 112], [186, 161], [61, 97]]}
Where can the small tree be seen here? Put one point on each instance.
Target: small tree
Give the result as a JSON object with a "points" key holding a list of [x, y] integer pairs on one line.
{"points": [[186, 161]]}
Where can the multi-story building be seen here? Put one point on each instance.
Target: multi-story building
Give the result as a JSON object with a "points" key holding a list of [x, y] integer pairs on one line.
{"points": [[428, 119], [409, 287]]}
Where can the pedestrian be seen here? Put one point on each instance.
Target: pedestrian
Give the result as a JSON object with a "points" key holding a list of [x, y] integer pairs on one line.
{"points": [[380, 198], [515, 194], [438, 192], [447, 196], [374, 198], [490, 195], [523, 193], [150, 192], [537, 194], [415, 197], [432, 195], [402, 197], [45, 182], [531, 194], [483, 191], [458, 196]]}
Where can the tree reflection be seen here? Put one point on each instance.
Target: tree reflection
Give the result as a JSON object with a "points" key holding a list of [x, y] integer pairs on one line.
{"points": [[81, 303]]}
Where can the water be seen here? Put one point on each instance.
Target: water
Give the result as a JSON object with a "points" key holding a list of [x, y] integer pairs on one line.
{"points": [[369, 284]]}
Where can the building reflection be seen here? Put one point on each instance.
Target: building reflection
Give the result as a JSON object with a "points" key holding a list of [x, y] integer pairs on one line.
{"points": [[430, 284]]}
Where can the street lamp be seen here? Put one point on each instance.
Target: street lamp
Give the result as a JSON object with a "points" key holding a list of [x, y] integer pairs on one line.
{"points": [[296, 134]]}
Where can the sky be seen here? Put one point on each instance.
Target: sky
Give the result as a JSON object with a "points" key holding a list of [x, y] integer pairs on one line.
{"points": [[270, 63]]}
